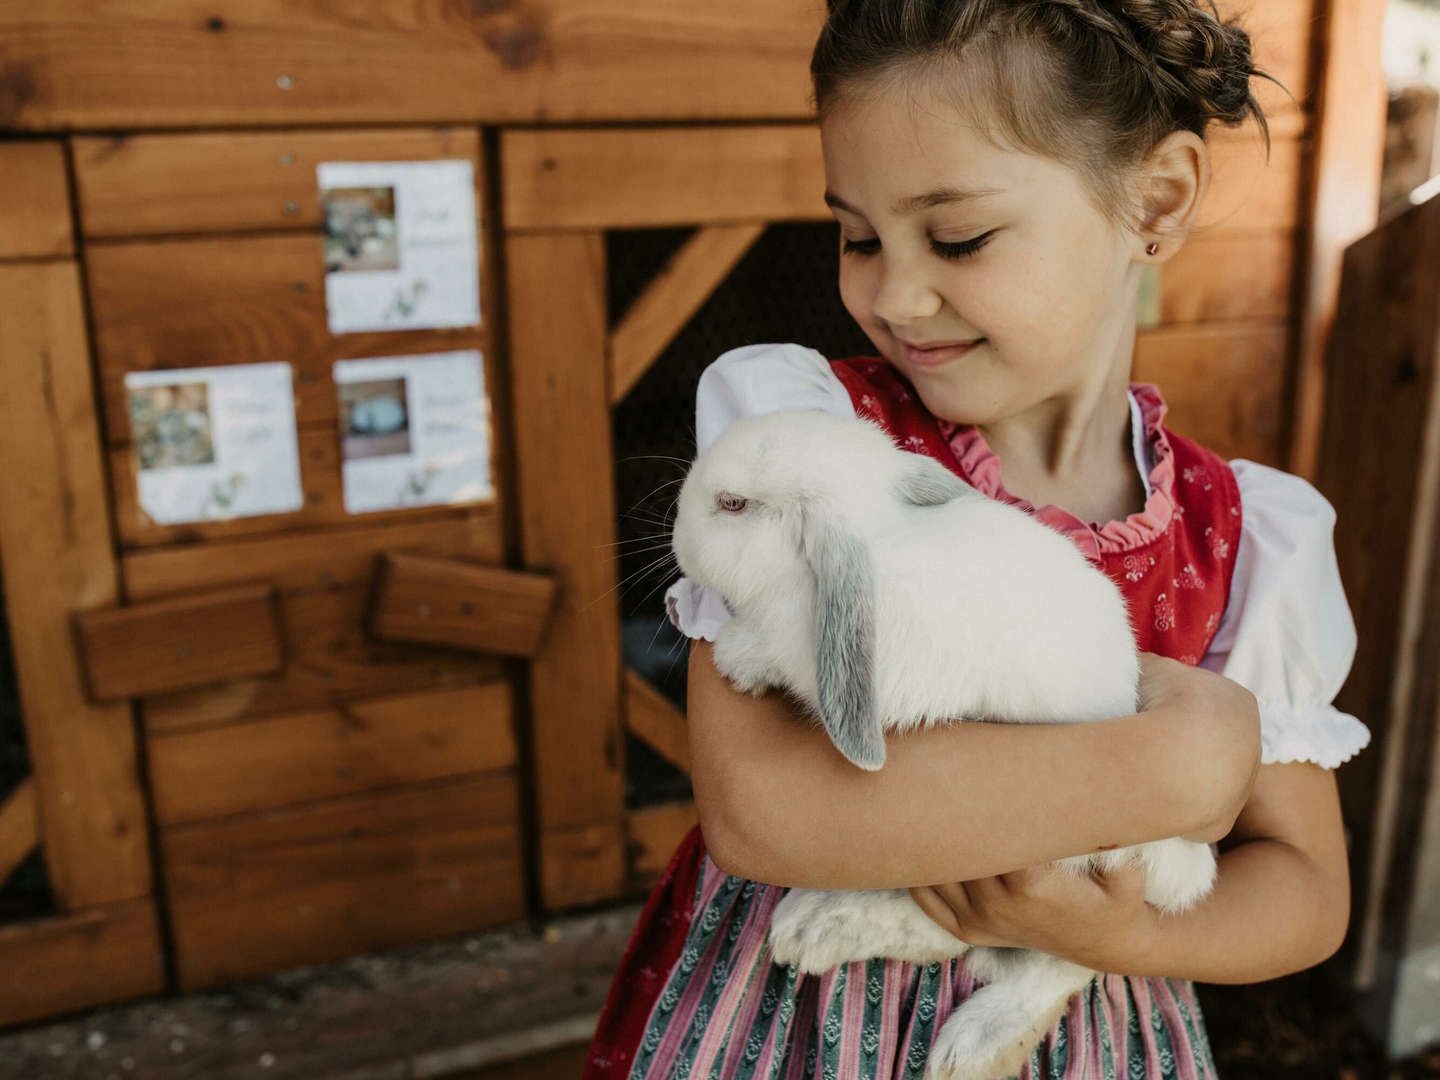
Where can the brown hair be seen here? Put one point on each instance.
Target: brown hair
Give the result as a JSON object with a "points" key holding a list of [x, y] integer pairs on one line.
{"points": [[1093, 83]]}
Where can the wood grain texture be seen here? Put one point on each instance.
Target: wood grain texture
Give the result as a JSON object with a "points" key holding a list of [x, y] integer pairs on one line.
{"points": [[281, 62], [57, 559], [361, 746], [35, 211], [655, 832], [1382, 378], [566, 500], [313, 560], [596, 179], [584, 864], [1230, 274], [180, 643], [77, 961], [301, 886], [330, 660], [1224, 384], [1250, 189], [19, 827], [671, 298], [435, 601], [155, 185], [1349, 138], [650, 716], [200, 302]]}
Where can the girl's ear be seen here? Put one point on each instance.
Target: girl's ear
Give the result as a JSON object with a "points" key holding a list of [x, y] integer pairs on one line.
{"points": [[845, 639], [1172, 184]]}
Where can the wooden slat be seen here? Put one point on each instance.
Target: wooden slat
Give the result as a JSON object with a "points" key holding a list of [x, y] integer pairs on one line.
{"points": [[77, 961], [19, 827], [1282, 39], [434, 601], [1230, 274], [669, 301], [258, 893], [1344, 194], [349, 749], [276, 62], [57, 559], [655, 832], [243, 300], [1249, 191], [35, 210], [153, 185], [566, 498], [650, 716], [320, 559], [595, 179], [181, 643], [1224, 384], [330, 660], [320, 480], [584, 864]]}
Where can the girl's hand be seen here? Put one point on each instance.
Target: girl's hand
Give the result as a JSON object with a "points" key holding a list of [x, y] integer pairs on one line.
{"points": [[1100, 921]]}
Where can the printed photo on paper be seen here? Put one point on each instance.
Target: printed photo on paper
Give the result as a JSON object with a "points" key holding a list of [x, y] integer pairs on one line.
{"points": [[414, 431], [215, 443], [401, 245]]}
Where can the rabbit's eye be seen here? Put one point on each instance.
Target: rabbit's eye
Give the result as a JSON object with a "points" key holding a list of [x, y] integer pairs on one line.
{"points": [[731, 504]]}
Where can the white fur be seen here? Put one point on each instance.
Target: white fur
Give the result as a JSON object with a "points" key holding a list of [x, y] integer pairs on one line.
{"points": [[978, 612]]}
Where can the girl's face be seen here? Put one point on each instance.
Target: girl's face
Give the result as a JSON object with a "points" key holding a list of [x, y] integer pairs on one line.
{"points": [[986, 275]]}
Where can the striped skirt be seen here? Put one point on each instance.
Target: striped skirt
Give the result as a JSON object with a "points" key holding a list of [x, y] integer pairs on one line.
{"points": [[725, 1012]]}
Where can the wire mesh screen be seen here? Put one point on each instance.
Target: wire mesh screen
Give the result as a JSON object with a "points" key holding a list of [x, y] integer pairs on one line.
{"points": [[783, 290], [26, 891]]}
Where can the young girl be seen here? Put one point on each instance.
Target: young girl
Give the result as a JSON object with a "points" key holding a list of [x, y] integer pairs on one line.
{"points": [[1002, 171]]}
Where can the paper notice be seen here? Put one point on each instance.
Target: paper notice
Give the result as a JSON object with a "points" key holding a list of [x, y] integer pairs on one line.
{"points": [[401, 245], [215, 443], [414, 431]]}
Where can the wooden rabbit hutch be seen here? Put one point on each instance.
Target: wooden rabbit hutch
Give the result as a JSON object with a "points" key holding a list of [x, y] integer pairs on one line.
{"points": [[252, 741]]}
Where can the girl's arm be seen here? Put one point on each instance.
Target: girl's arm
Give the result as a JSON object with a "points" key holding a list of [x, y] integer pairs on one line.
{"points": [[779, 804], [1281, 902]]}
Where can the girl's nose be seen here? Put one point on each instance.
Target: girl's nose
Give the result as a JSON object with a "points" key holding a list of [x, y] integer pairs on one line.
{"points": [[905, 295]]}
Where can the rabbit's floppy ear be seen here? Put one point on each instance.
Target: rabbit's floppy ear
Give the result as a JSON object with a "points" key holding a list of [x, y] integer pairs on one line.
{"points": [[845, 638], [925, 482]]}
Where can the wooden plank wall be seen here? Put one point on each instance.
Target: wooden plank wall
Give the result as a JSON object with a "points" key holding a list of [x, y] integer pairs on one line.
{"points": [[366, 794], [87, 809]]}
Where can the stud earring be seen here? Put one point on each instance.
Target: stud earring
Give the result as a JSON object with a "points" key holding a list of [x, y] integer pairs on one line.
{"points": [[1153, 249]]}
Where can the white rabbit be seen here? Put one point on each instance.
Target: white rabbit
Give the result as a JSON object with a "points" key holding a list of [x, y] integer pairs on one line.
{"points": [[887, 594]]}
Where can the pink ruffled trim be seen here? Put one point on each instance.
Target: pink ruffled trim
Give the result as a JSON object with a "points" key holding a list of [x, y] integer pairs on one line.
{"points": [[981, 468]]}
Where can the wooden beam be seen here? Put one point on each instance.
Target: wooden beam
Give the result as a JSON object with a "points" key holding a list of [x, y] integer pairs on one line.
{"points": [[1344, 195], [35, 210], [19, 827], [77, 961], [566, 496], [650, 716], [268, 63], [58, 559], [181, 642], [488, 609], [668, 302], [596, 179], [655, 832], [233, 181]]}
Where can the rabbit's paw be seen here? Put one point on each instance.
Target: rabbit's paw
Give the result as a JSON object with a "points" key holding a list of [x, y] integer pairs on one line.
{"points": [[816, 931], [969, 1049]]}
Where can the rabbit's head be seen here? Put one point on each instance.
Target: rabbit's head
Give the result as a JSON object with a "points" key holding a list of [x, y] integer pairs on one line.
{"points": [[777, 512]]}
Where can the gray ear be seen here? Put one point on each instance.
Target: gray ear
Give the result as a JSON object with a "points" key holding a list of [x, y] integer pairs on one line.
{"points": [[925, 482], [845, 649]]}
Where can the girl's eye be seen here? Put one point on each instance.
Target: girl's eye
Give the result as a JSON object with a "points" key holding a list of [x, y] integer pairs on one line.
{"points": [[731, 504], [961, 248], [861, 247]]}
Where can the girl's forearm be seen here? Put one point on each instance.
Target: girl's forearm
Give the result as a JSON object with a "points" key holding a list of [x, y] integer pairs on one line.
{"points": [[1274, 911], [779, 804]]}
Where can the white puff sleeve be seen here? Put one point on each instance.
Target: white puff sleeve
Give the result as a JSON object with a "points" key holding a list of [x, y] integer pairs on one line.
{"points": [[1287, 634], [751, 381]]}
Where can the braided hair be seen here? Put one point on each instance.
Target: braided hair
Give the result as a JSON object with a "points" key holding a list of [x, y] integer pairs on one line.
{"points": [[1094, 83]]}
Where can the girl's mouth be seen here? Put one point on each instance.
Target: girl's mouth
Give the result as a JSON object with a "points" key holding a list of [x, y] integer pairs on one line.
{"points": [[935, 354]]}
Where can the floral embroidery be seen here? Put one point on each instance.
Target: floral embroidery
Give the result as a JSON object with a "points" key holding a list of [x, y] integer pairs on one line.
{"points": [[1211, 622], [1135, 568], [871, 404], [914, 443], [1189, 578], [1198, 474], [1164, 612], [1219, 546]]}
